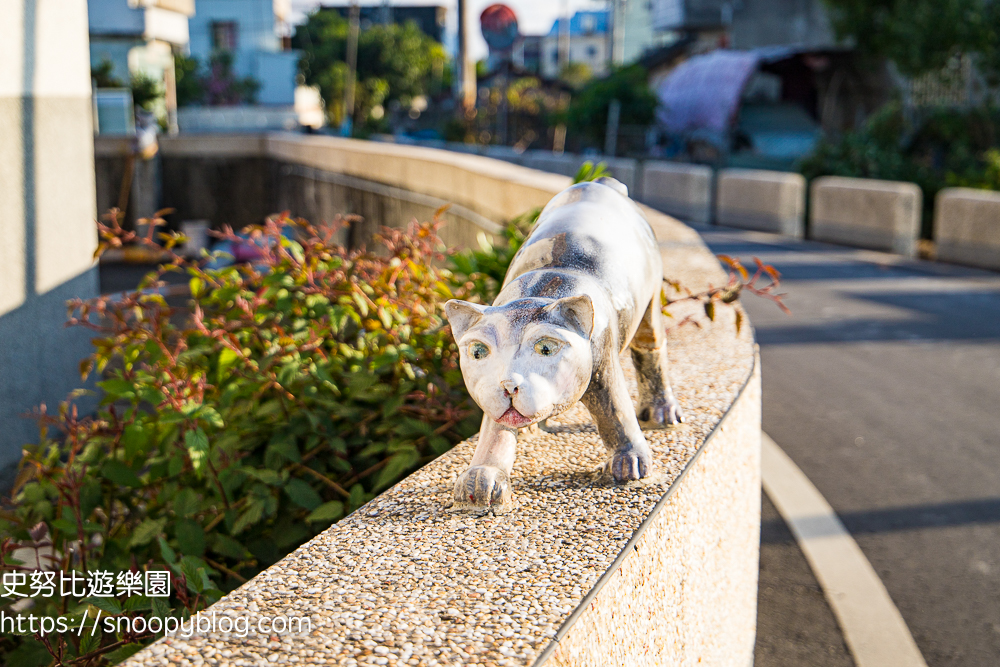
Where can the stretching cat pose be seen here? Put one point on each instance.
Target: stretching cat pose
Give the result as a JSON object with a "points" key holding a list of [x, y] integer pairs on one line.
{"points": [[585, 284]]}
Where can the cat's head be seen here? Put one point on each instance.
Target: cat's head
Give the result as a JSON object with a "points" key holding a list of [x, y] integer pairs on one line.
{"points": [[526, 360]]}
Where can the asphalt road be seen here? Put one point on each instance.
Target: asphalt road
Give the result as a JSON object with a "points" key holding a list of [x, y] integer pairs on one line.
{"points": [[884, 387]]}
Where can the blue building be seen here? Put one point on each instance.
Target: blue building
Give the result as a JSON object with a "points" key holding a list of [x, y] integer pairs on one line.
{"points": [[256, 32], [140, 36], [583, 39]]}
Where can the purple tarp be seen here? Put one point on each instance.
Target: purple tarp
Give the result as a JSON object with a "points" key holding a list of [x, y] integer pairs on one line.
{"points": [[703, 93]]}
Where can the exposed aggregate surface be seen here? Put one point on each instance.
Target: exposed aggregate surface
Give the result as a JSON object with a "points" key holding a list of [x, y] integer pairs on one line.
{"points": [[403, 581]]}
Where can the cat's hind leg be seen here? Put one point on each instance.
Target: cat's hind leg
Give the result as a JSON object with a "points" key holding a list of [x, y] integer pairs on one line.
{"points": [[657, 406], [609, 404]]}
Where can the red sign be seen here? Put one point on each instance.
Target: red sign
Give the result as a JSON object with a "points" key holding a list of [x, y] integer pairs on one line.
{"points": [[499, 27]]}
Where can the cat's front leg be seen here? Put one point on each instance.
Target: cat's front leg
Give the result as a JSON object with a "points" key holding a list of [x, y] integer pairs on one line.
{"points": [[486, 484], [610, 405]]}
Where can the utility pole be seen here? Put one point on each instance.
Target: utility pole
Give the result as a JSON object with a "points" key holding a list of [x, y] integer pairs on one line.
{"points": [[467, 70], [616, 32], [563, 44], [352, 69]]}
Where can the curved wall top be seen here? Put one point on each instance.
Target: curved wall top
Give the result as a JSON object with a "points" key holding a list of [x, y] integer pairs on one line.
{"points": [[581, 572]]}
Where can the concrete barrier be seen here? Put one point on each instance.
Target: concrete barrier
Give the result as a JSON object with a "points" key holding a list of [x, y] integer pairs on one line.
{"points": [[682, 190], [866, 213], [581, 572], [567, 164], [967, 227], [766, 201]]}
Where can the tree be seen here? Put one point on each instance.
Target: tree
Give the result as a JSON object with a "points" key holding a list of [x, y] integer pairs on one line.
{"points": [[395, 63], [921, 36], [146, 90], [576, 75], [218, 86], [189, 87], [588, 112]]}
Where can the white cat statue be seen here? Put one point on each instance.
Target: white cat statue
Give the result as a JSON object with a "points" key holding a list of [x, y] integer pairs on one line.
{"points": [[585, 284]]}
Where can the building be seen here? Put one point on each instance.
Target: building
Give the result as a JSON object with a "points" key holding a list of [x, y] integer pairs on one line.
{"points": [[140, 36], [747, 24], [527, 54], [583, 39], [257, 34], [637, 34], [429, 18], [47, 212]]}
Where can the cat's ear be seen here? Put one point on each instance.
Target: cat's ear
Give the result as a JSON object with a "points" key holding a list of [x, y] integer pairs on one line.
{"points": [[577, 312], [462, 315]]}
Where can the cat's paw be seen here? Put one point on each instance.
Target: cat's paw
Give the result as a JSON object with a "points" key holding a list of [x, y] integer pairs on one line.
{"points": [[632, 463], [482, 487], [660, 413]]}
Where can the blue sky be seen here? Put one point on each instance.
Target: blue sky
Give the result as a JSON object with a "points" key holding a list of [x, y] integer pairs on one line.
{"points": [[533, 16]]}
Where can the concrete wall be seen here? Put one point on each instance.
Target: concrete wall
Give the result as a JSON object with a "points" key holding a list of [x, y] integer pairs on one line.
{"points": [[866, 213], [967, 227], [47, 233], [767, 201], [567, 164], [580, 572], [682, 190]]}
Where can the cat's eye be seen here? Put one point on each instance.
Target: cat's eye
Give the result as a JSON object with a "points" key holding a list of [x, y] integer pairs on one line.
{"points": [[547, 347], [479, 351]]}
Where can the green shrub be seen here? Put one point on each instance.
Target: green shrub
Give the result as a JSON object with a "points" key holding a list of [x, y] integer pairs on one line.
{"points": [[289, 394], [587, 116], [934, 148]]}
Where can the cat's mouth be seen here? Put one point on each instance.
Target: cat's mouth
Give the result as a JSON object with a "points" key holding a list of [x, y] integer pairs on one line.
{"points": [[513, 418]]}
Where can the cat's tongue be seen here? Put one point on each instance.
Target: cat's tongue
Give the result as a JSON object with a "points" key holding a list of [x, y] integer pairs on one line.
{"points": [[513, 418]]}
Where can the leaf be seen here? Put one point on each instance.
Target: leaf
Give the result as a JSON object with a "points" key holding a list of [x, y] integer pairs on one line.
{"points": [[147, 531], [190, 537], [135, 439], [196, 442], [186, 503], [136, 603], [227, 546], [194, 570], [227, 358], [285, 447], [117, 389], [710, 310], [122, 653], [330, 511], [398, 464], [160, 607], [30, 653], [168, 554], [119, 473], [739, 320], [89, 642], [269, 477], [357, 498], [65, 526], [302, 494], [196, 285], [253, 514], [109, 605]]}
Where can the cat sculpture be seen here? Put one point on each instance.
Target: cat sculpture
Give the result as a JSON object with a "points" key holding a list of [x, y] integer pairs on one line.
{"points": [[584, 286]]}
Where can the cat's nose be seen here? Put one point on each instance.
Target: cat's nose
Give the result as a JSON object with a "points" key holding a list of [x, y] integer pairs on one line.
{"points": [[509, 387]]}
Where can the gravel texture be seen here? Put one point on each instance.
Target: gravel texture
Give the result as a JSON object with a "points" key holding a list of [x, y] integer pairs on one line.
{"points": [[405, 581]]}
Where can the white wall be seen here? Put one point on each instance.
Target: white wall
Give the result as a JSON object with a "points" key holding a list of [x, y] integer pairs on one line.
{"points": [[47, 210]]}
